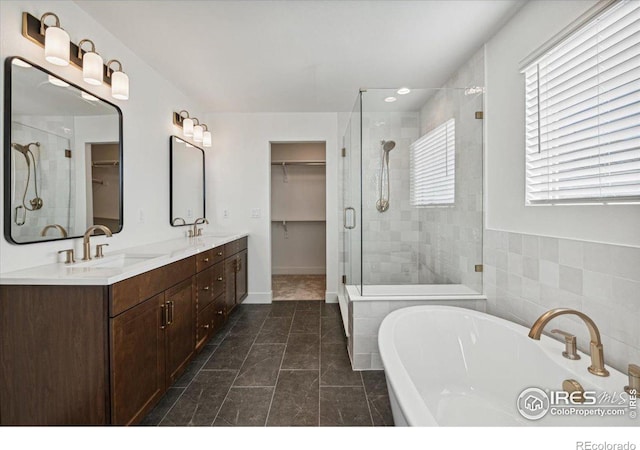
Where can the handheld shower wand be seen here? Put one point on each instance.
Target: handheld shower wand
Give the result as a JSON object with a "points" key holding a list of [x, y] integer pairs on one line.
{"points": [[36, 202], [382, 204]]}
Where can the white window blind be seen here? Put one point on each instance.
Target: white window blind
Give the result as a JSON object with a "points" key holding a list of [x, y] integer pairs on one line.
{"points": [[583, 113], [433, 159]]}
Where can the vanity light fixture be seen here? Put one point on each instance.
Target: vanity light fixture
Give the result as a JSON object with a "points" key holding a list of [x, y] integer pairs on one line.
{"points": [[206, 137], [187, 122], [20, 63], [403, 91], [56, 41], [390, 99], [92, 64], [119, 81], [198, 131], [58, 82], [88, 96]]}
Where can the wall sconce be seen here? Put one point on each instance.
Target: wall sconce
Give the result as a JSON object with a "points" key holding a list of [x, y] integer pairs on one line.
{"points": [[191, 127], [119, 81], [206, 137], [56, 41], [92, 64], [59, 50]]}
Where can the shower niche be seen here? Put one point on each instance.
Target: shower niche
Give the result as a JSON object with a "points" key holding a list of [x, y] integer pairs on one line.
{"points": [[62, 158]]}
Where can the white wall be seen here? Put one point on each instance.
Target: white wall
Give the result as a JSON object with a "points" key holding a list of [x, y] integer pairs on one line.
{"points": [[531, 27], [239, 172], [147, 120]]}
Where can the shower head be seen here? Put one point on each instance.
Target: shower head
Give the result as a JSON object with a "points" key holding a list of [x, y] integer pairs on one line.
{"points": [[387, 146], [24, 148]]}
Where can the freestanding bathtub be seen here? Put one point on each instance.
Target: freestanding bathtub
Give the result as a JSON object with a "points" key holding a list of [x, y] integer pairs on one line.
{"points": [[448, 366]]}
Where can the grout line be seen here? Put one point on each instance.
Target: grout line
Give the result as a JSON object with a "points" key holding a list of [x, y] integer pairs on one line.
{"points": [[320, 368], [266, 420], [238, 374], [366, 398]]}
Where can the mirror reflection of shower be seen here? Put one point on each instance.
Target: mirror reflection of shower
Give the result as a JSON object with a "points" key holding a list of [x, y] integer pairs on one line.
{"points": [[36, 202], [382, 204]]}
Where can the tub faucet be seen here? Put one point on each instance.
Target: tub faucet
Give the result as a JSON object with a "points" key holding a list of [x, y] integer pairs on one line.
{"points": [[86, 245], [597, 354]]}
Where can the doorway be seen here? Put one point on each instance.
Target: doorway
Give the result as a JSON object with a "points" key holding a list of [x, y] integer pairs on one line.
{"points": [[298, 220]]}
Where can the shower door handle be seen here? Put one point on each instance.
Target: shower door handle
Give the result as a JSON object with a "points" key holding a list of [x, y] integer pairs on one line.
{"points": [[344, 218]]}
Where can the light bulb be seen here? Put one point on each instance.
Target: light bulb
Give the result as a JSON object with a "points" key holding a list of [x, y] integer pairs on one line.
{"points": [[206, 139], [198, 133], [390, 99], [92, 68], [120, 85], [403, 91], [56, 46]]}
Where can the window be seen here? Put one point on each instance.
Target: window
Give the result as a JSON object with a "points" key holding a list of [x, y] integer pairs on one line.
{"points": [[433, 163], [583, 113]]}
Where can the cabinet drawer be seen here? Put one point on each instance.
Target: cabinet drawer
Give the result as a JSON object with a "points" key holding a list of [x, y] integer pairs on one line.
{"points": [[204, 288], [128, 293], [206, 322], [209, 257], [234, 247], [218, 279]]}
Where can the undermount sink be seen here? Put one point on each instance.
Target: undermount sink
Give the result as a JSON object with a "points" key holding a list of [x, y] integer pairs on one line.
{"points": [[120, 261]]}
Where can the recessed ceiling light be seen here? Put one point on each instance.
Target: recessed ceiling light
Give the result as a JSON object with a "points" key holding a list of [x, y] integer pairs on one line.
{"points": [[403, 91], [89, 97], [20, 63], [390, 99], [57, 81]]}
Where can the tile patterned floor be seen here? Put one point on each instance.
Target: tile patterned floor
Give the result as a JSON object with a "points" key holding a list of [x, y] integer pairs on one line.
{"points": [[298, 287], [283, 364]]}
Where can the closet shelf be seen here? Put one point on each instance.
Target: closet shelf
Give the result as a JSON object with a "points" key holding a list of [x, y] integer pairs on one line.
{"points": [[106, 163], [299, 163], [299, 220]]}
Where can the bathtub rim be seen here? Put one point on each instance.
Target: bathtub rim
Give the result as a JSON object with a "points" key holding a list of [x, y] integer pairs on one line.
{"points": [[464, 293]]}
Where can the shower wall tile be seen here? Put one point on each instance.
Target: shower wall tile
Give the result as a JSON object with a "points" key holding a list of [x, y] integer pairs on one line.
{"points": [[598, 279]]}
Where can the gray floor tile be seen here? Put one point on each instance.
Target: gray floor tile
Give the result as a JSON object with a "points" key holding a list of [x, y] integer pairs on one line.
{"points": [[247, 326], [261, 366], [231, 353], [308, 305], [303, 352], [306, 322], [201, 401], [330, 310], [295, 402], [333, 331], [335, 367], [282, 309], [275, 330], [245, 407], [344, 406], [375, 386], [166, 402]]}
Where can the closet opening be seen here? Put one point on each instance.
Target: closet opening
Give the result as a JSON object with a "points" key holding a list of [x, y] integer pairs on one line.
{"points": [[298, 220]]}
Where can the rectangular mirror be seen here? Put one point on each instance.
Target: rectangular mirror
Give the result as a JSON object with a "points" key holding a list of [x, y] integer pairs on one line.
{"points": [[187, 182], [62, 157]]}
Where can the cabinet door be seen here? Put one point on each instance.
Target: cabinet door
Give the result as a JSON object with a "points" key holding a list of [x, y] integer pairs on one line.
{"points": [[180, 330], [137, 360], [230, 283], [241, 276]]}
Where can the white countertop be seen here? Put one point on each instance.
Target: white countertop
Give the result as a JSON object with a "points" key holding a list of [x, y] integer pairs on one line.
{"points": [[108, 270]]}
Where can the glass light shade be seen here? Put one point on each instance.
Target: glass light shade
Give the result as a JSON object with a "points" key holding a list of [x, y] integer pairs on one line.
{"points": [[57, 81], [198, 133], [92, 68], [120, 85], [187, 127], [56, 46], [206, 139], [20, 63]]}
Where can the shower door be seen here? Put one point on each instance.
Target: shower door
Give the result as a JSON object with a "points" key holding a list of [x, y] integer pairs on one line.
{"points": [[351, 231]]}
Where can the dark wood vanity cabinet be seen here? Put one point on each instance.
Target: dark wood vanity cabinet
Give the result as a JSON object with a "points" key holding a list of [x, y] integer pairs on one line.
{"points": [[95, 355]]}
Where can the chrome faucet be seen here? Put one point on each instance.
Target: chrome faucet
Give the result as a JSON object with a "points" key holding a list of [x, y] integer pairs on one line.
{"points": [[60, 228], [197, 231], [86, 246], [597, 354]]}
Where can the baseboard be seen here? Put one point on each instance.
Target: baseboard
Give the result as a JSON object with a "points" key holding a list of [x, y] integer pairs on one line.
{"points": [[299, 270], [331, 297], [255, 298]]}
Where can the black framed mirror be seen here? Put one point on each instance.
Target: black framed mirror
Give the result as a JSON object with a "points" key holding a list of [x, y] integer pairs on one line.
{"points": [[62, 157], [187, 179]]}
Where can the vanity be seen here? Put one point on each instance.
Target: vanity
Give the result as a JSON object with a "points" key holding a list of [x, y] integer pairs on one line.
{"points": [[99, 342]]}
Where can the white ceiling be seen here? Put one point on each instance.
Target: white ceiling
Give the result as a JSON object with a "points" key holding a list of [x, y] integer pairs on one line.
{"points": [[277, 56]]}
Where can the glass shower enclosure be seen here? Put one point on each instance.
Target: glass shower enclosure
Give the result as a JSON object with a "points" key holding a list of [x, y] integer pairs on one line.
{"points": [[411, 193]]}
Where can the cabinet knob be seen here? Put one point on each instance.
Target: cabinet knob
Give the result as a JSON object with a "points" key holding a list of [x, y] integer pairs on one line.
{"points": [[206, 259], [206, 327], [206, 288], [219, 253], [220, 278], [220, 312]]}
